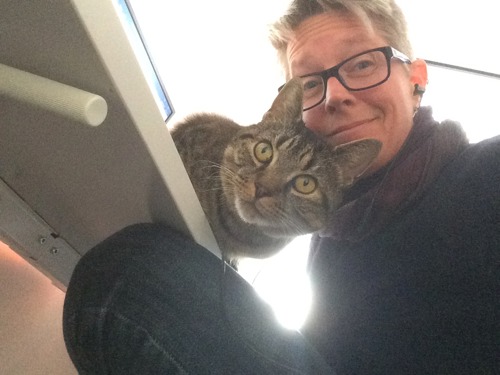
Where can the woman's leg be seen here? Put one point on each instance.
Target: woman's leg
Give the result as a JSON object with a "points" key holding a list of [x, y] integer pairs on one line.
{"points": [[148, 300]]}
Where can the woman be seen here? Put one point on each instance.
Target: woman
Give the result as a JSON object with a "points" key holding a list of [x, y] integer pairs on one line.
{"points": [[405, 277]]}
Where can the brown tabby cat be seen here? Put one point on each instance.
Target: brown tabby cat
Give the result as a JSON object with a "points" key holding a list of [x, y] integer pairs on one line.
{"points": [[262, 185]]}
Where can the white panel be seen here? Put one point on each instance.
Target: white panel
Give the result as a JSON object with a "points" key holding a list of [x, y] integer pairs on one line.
{"points": [[84, 183]]}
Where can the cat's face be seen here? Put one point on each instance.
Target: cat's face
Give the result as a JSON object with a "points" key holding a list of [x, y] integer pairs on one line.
{"points": [[279, 176], [279, 181]]}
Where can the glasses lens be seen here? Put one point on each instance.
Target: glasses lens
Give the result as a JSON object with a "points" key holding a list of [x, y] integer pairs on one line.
{"points": [[364, 71], [313, 90]]}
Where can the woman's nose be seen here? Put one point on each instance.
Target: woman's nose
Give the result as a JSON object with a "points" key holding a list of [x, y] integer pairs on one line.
{"points": [[336, 94], [318, 118]]}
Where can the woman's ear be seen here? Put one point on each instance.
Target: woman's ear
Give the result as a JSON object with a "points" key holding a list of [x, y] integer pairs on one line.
{"points": [[418, 76]]}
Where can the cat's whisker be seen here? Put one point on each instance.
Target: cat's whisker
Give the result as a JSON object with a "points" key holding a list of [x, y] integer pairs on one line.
{"points": [[295, 228], [212, 189], [288, 223]]}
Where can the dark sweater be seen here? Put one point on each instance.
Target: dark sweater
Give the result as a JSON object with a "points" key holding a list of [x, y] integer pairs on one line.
{"points": [[422, 294]]}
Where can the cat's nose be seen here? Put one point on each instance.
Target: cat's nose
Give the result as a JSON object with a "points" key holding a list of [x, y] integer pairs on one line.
{"points": [[261, 191]]}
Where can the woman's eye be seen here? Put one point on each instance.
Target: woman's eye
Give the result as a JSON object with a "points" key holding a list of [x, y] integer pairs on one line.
{"points": [[305, 184], [263, 152], [312, 83], [363, 65]]}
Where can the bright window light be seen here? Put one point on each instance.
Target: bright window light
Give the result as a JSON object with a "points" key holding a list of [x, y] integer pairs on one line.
{"points": [[282, 281]]}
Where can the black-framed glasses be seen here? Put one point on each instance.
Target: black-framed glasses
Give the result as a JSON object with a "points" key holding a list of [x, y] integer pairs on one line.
{"points": [[359, 72]]}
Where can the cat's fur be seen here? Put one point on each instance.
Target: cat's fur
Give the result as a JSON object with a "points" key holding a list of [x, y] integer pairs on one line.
{"points": [[252, 206]]}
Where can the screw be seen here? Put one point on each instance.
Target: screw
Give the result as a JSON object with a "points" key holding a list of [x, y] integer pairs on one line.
{"points": [[42, 240], [54, 250]]}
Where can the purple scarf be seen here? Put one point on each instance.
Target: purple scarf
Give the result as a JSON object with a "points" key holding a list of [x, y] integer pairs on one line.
{"points": [[373, 201]]}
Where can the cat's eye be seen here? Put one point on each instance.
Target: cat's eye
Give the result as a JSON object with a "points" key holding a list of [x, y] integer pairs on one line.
{"points": [[305, 184], [263, 152]]}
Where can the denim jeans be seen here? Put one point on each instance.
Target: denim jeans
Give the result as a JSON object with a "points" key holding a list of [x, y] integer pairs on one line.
{"points": [[148, 300]]}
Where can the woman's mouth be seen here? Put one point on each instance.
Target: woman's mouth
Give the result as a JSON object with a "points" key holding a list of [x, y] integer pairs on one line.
{"points": [[350, 131]]}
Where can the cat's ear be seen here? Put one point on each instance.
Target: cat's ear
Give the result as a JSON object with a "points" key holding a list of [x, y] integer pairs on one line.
{"points": [[287, 107], [355, 157]]}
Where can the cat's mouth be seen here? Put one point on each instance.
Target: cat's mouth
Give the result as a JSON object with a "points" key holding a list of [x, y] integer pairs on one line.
{"points": [[257, 211], [266, 213]]}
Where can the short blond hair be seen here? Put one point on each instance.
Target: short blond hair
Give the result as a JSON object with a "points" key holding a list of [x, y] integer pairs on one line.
{"points": [[383, 15]]}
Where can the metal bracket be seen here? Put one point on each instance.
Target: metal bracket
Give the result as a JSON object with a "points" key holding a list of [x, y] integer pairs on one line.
{"points": [[31, 237]]}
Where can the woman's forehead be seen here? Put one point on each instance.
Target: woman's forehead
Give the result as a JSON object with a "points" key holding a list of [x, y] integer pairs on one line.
{"points": [[330, 36]]}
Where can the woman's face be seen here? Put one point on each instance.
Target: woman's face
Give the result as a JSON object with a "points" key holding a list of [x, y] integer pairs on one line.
{"points": [[384, 112]]}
